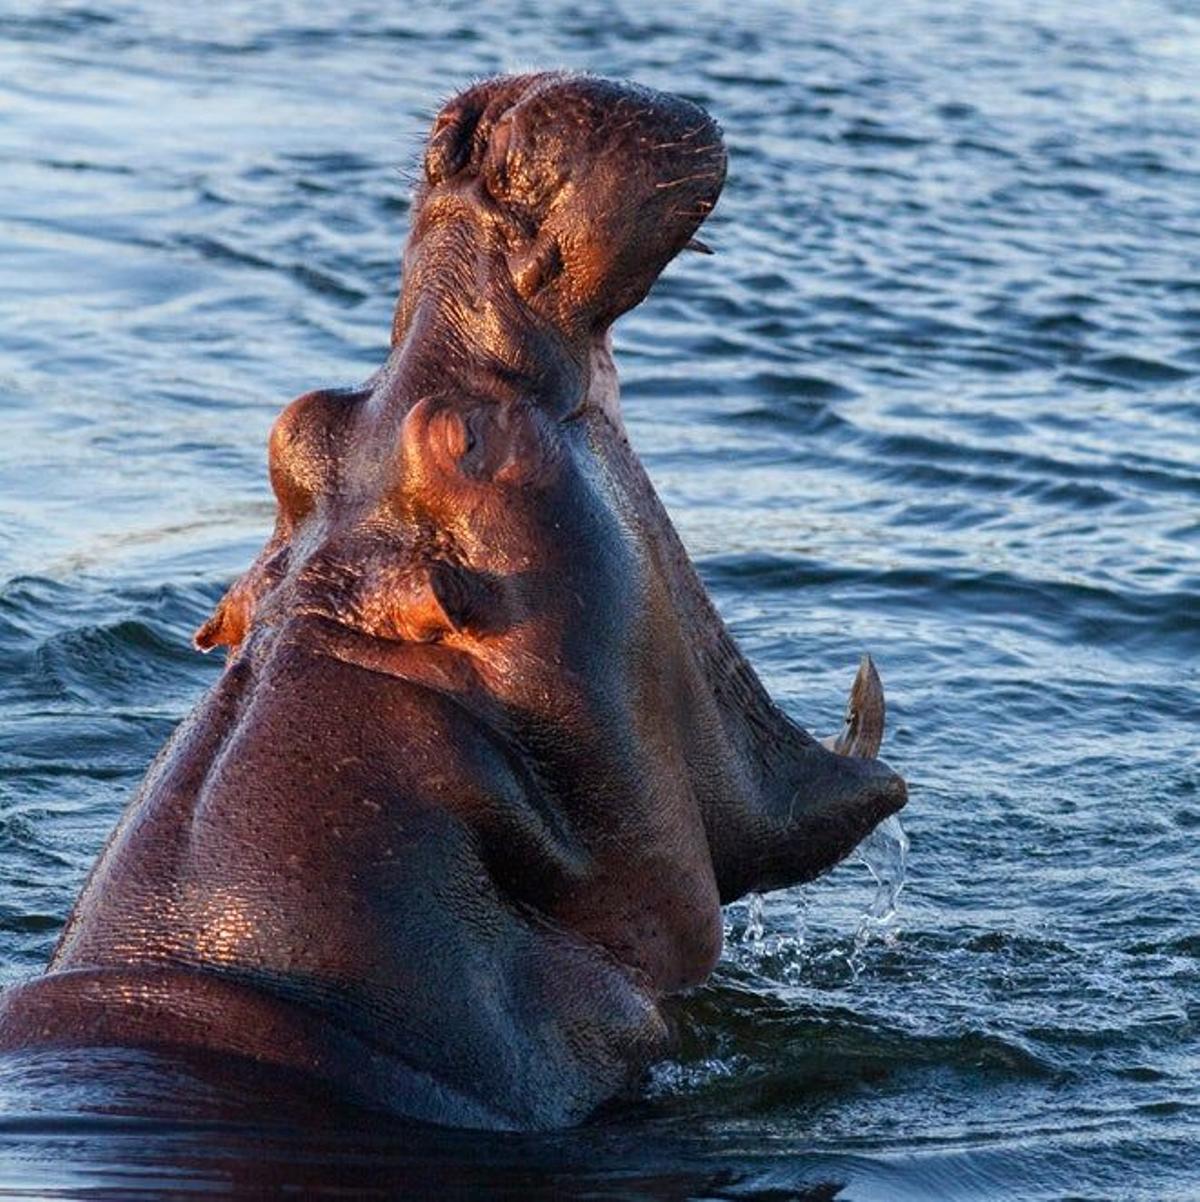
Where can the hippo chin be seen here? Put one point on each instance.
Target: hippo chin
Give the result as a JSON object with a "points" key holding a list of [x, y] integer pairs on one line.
{"points": [[484, 763]]}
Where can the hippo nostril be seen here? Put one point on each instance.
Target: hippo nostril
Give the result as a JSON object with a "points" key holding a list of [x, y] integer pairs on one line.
{"points": [[450, 143], [464, 131], [495, 171]]}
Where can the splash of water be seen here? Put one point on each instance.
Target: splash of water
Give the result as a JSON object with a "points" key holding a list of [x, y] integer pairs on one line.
{"points": [[885, 853], [755, 920], [784, 953]]}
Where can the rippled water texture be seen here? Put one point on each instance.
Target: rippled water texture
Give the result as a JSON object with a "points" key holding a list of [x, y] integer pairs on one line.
{"points": [[937, 396]]}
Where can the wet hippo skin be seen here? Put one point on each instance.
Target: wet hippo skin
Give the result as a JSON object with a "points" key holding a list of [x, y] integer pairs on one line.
{"points": [[484, 763]]}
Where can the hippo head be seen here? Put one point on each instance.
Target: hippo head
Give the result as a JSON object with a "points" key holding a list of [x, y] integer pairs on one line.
{"points": [[572, 193], [473, 523]]}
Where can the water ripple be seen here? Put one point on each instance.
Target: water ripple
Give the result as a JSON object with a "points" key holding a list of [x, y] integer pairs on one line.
{"points": [[936, 395]]}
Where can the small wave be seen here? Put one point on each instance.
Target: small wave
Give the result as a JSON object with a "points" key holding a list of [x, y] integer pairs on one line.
{"points": [[69, 646], [737, 1039], [866, 132], [1127, 369], [787, 386], [51, 25], [1153, 619], [315, 279]]}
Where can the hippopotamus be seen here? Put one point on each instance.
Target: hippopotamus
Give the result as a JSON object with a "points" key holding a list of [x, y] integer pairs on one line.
{"points": [[483, 764]]}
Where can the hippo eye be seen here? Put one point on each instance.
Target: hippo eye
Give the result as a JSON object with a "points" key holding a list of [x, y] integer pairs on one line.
{"points": [[458, 437]]}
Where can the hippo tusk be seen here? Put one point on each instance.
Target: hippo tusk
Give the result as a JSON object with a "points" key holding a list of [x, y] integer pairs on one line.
{"points": [[862, 732], [698, 246]]}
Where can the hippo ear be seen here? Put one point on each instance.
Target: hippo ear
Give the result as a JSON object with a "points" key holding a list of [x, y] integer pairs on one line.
{"points": [[228, 624], [450, 141]]}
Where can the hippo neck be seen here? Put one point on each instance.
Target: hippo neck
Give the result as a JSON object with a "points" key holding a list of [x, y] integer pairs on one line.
{"points": [[461, 323]]}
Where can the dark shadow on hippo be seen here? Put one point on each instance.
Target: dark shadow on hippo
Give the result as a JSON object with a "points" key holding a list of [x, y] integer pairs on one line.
{"points": [[484, 763]]}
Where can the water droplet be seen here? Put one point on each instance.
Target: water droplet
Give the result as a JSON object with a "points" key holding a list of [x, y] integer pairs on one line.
{"points": [[755, 926], [885, 853]]}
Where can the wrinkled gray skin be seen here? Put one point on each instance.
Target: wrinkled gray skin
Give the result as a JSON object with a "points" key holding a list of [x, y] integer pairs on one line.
{"points": [[484, 763]]}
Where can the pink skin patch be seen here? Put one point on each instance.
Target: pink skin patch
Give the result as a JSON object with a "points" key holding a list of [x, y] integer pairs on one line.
{"points": [[604, 390]]}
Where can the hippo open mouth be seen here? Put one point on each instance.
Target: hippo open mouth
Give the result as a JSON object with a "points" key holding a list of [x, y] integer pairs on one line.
{"points": [[484, 762]]}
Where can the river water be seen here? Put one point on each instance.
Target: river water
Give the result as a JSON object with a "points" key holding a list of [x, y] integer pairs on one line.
{"points": [[937, 396]]}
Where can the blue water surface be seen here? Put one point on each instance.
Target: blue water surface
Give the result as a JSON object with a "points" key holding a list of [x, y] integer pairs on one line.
{"points": [[937, 396]]}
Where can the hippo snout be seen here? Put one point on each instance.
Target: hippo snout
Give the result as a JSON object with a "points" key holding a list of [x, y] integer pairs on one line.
{"points": [[575, 192]]}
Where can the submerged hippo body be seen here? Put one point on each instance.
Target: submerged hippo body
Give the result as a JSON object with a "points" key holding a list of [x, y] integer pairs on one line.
{"points": [[484, 763]]}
